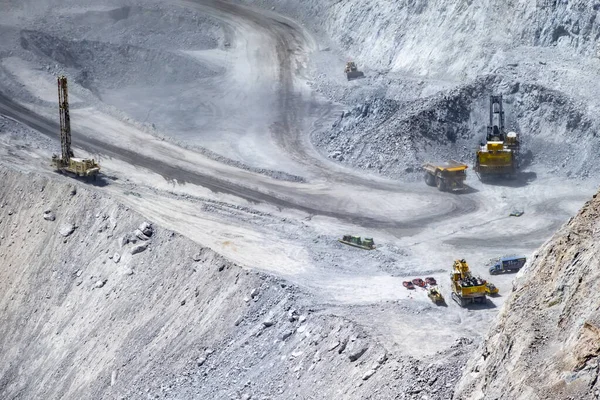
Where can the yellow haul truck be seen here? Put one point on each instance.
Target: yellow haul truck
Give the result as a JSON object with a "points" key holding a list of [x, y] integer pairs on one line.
{"points": [[449, 176], [498, 156], [466, 288]]}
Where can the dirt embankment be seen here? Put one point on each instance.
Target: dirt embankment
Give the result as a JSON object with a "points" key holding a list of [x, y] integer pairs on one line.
{"points": [[97, 304], [546, 341]]}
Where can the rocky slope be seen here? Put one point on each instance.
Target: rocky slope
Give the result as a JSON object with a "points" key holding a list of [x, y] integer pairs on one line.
{"points": [[546, 341], [396, 137], [98, 304], [449, 39]]}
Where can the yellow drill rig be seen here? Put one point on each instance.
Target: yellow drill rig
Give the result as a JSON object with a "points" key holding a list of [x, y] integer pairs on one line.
{"points": [[67, 163], [498, 156]]}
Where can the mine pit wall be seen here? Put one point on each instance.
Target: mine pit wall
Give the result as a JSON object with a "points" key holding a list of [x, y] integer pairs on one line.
{"points": [[430, 37], [545, 343], [175, 320]]}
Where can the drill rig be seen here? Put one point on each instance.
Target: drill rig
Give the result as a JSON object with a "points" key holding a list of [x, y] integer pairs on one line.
{"points": [[499, 155], [67, 163]]}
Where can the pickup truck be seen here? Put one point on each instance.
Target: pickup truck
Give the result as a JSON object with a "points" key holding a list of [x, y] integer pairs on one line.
{"points": [[508, 264]]}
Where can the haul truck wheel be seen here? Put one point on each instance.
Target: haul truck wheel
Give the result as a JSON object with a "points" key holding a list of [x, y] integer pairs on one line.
{"points": [[440, 184], [429, 180]]}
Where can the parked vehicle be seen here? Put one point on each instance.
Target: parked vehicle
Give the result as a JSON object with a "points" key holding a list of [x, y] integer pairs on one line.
{"points": [[508, 264], [408, 284]]}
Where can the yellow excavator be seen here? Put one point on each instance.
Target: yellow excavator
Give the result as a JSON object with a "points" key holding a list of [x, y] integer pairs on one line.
{"points": [[498, 156], [67, 163], [466, 288]]}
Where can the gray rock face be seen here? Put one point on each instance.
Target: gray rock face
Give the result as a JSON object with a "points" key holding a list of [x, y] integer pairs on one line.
{"points": [[553, 305]]}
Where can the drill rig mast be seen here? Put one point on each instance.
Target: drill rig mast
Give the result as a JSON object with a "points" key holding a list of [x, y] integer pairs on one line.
{"points": [[65, 119], [67, 163]]}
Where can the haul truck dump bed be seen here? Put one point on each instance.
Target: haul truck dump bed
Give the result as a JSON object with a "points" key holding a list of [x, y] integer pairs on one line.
{"points": [[449, 176]]}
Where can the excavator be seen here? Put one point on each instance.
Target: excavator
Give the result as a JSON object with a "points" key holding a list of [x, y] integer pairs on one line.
{"points": [[466, 288], [498, 156], [67, 163]]}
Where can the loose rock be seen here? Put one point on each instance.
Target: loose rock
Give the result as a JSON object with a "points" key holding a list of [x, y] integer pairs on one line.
{"points": [[139, 248], [67, 229], [356, 354], [146, 229]]}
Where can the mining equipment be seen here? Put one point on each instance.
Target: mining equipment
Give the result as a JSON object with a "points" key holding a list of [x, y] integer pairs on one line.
{"points": [[356, 241], [491, 289], [508, 264], [67, 163], [435, 295], [448, 176], [352, 71], [466, 288], [498, 156]]}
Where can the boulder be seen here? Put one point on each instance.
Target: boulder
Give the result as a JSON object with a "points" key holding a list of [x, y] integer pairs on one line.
{"points": [[146, 229], [66, 230], [139, 248]]}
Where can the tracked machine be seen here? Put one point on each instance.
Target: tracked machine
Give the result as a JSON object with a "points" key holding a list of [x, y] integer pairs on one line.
{"points": [[498, 156], [67, 163], [466, 288], [352, 71], [448, 176], [356, 241]]}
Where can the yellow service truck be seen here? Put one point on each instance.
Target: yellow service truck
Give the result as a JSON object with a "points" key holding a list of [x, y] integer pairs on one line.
{"points": [[448, 176]]}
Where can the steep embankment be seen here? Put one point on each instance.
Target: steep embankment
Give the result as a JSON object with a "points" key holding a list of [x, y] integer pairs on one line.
{"points": [[97, 304], [546, 342], [450, 39]]}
